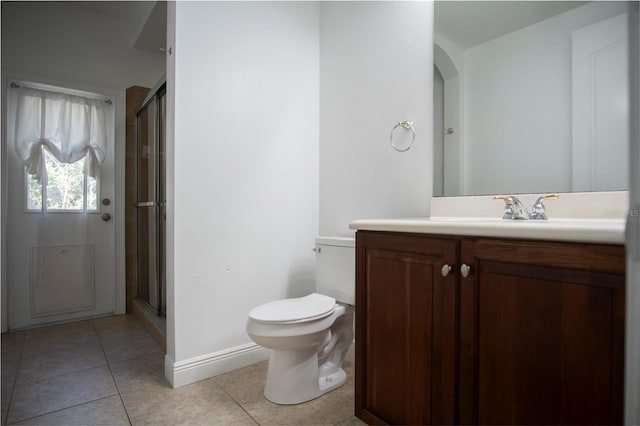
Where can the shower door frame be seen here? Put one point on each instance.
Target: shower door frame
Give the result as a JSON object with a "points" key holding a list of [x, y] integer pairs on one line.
{"points": [[158, 203]]}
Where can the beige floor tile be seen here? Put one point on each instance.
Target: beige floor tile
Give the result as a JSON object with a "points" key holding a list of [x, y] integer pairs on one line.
{"points": [[10, 365], [12, 344], [124, 337], [122, 345], [61, 360], [56, 383], [32, 399], [329, 409], [106, 411], [246, 386], [7, 376], [348, 391], [60, 331], [352, 421], [117, 323], [139, 372], [202, 403], [63, 339]]}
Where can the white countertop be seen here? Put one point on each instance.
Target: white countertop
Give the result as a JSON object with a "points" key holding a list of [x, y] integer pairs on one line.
{"points": [[608, 231]]}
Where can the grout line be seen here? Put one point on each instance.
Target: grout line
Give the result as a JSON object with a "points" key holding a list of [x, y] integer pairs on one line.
{"points": [[234, 400], [115, 382], [62, 409], [68, 373], [88, 367], [15, 379]]}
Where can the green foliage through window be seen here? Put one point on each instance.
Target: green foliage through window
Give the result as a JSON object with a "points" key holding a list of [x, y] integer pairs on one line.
{"points": [[66, 189]]}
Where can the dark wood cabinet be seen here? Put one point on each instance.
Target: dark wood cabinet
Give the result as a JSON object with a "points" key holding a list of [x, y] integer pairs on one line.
{"points": [[542, 333], [405, 329], [533, 335]]}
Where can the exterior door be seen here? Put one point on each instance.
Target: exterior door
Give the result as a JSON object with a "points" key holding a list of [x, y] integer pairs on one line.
{"points": [[60, 261]]}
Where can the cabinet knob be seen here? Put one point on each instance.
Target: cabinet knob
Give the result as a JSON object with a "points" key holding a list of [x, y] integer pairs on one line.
{"points": [[445, 270], [465, 270]]}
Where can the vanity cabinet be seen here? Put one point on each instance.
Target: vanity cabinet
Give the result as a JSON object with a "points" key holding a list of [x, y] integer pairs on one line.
{"points": [[405, 329], [534, 334]]}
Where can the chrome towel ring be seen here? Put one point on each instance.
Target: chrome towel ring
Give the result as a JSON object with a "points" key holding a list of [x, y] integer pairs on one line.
{"points": [[399, 137]]}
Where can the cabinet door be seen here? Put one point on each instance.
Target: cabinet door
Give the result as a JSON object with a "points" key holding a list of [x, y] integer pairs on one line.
{"points": [[541, 333], [405, 329]]}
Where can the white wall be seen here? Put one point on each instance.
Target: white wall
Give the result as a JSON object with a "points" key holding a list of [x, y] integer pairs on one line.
{"points": [[252, 84], [52, 42], [170, 115], [530, 141], [244, 170], [449, 59], [376, 69]]}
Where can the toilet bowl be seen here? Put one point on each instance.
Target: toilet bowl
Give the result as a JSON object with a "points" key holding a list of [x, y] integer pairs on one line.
{"points": [[308, 337]]}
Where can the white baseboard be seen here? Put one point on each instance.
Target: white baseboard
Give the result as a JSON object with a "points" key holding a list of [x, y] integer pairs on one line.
{"points": [[205, 366]]}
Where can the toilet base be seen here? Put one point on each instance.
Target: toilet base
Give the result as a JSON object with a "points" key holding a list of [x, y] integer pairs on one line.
{"points": [[292, 377], [332, 381], [304, 366]]}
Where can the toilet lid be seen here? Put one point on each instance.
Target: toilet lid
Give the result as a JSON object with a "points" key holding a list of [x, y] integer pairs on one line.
{"points": [[300, 309]]}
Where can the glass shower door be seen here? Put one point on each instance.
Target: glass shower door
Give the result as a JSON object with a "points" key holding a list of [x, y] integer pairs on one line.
{"points": [[150, 210], [162, 197]]}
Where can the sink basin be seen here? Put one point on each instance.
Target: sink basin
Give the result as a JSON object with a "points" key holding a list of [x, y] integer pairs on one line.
{"points": [[609, 231]]}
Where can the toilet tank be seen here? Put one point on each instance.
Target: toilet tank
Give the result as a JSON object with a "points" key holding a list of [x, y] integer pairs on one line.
{"points": [[336, 268]]}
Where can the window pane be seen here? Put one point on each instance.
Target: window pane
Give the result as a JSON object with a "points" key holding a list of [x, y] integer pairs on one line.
{"points": [[92, 193], [34, 193], [66, 184], [65, 190]]}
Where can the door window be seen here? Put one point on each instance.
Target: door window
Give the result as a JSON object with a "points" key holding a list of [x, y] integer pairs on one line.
{"points": [[68, 188]]}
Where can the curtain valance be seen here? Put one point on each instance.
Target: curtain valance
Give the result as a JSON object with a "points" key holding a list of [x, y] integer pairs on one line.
{"points": [[69, 127]]}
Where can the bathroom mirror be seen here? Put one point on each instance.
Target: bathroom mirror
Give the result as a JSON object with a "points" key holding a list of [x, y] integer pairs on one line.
{"points": [[530, 97]]}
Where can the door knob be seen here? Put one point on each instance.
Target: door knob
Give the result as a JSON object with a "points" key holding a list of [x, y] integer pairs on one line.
{"points": [[106, 217]]}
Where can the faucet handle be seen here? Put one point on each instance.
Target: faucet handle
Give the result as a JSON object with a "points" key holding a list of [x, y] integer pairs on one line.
{"points": [[538, 209], [513, 208], [508, 199], [508, 206]]}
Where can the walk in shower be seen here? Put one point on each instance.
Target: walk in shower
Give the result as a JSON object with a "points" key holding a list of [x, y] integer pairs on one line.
{"points": [[150, 203]]}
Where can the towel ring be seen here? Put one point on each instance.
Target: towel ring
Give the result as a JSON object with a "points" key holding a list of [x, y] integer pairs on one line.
{"points": [[406, 126]]}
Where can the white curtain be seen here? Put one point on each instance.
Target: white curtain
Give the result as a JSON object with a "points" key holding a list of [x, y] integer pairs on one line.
{"points": [[69, 127]]}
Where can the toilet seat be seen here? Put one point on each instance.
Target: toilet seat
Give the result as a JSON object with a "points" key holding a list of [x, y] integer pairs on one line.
{"points": [[296, 310]]}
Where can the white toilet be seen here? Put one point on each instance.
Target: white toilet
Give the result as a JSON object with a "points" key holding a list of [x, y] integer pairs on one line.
{"points": [[309, 336]]}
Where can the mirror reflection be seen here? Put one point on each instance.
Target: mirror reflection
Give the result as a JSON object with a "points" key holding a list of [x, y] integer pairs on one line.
{"points": [[530, 97]]}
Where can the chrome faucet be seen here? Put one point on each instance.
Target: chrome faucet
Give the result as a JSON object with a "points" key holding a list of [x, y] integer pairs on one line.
{"points": [[538, 209], [515, 210]]}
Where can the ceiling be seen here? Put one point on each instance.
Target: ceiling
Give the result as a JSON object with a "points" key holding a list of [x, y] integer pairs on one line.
{"points": [[459, 21], [146, 19]]}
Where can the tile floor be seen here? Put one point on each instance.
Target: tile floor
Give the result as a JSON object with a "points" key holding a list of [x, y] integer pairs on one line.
{"points": [[110, 371]]}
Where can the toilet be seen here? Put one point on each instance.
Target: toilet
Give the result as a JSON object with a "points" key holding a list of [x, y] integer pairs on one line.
{"points": [[309, 336]]}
